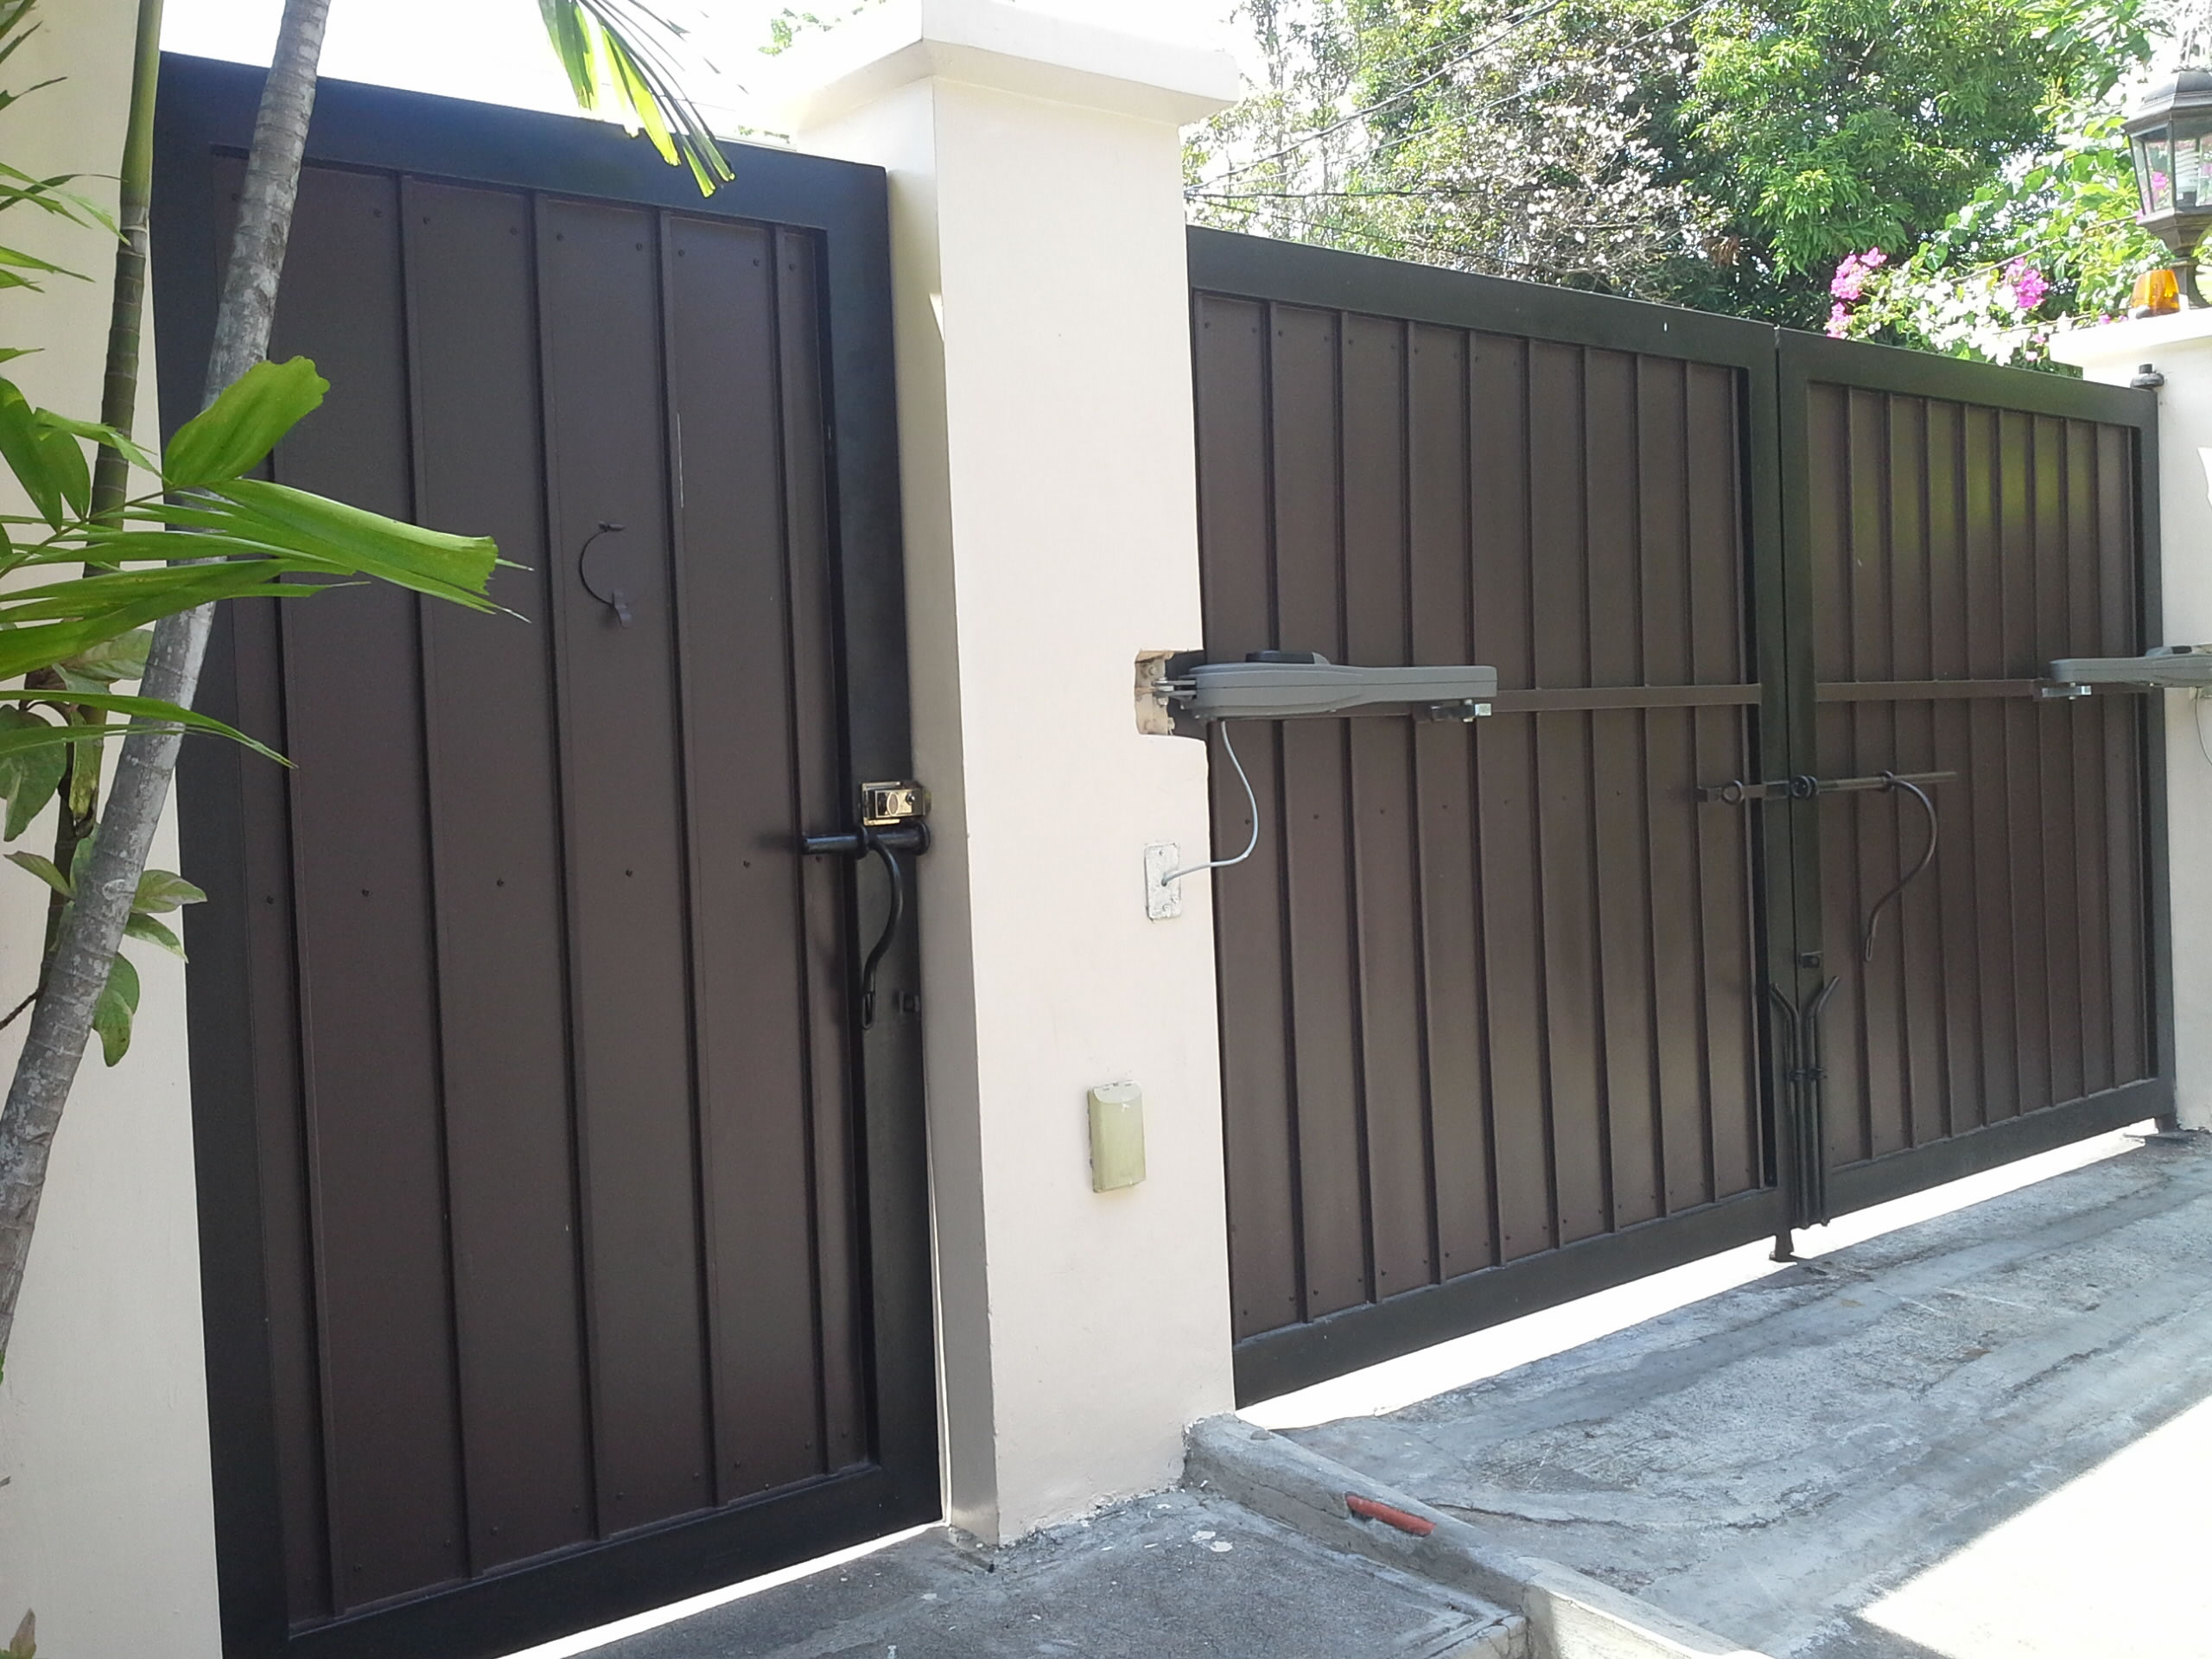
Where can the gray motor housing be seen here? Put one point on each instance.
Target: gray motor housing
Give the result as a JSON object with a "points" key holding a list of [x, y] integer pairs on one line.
{"points": [[2183, 667], [1293, 686]]}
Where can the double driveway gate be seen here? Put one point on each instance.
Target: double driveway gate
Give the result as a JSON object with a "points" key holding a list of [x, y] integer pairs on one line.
{"points": [[1518, 1009], [563, 1229]]}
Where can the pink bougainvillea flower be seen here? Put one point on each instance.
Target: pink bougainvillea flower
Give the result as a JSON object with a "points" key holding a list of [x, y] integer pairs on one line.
{"points": [[1850, 279], [2028, 285], [1839, 320]]}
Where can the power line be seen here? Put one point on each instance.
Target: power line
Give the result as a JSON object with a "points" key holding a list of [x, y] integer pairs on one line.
{"points": [[1465, 51], [1202, 188]]}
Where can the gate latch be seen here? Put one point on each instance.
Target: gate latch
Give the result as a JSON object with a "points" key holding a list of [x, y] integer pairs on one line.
{"points": [[894, 819]]}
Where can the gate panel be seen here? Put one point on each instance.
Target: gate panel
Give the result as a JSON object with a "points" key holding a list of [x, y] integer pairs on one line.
{"points": [[552, 1271], [1510, 1012], [1486, 989], [1964, 528]]}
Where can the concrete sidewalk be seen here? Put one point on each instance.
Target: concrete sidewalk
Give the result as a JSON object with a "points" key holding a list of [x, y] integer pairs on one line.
{"points": [[1982, 1436], [1179, 1575]]}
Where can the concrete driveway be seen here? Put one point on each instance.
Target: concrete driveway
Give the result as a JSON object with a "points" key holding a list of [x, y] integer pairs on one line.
{"points": [[1983, 1437]]}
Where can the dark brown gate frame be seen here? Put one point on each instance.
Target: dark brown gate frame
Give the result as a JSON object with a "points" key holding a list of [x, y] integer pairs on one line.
{"points": [[1803, 361], [1775, 369], [207, 109]]}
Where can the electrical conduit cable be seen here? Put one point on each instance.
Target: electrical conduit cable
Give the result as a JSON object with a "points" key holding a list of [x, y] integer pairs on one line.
{"points": [[1250, 800]]}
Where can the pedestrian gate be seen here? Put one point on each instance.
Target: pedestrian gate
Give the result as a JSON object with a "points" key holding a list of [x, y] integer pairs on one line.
{"points": [[1622, 974], [563, 1232]]}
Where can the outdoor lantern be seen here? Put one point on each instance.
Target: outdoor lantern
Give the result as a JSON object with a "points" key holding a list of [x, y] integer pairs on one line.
{"points": [[2169, 138]]}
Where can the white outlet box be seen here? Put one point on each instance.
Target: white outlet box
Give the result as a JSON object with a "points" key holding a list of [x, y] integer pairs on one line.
{"points": [[1162, 899]]}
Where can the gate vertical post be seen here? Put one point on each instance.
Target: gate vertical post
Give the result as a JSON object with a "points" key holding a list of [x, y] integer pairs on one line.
{"points": [[1041, 302], [2177, 610]]}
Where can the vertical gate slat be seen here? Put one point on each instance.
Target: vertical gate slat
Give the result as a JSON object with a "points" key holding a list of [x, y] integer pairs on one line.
{"points": [[625, 865], [1231, 350], [733, 616], [502, 972], [1717, 552], [1394, 1119], [367, 965], [1917, 912], [1953, 874], [1559, 594], [2116, 531], [2059, 811], [1668, 749], [1619, 789], [1307, 481], [1985, 603], [810, 563], [2024, 757], [1500, 396], [2086, 728], [1438, 537]]}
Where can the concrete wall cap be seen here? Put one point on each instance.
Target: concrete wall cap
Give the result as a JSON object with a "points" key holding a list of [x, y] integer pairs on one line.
{"points": [[992, 43], [2134, 339]]}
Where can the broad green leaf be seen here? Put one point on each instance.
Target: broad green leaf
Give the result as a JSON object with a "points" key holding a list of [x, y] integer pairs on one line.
{"points": [[163, 891], [33, 770], [24, 446], [145, 927], [46, 869], [153, 708], [98, 433], [121, 659], [129, 602], [119, 1000], [352, 539], [230, 437]]}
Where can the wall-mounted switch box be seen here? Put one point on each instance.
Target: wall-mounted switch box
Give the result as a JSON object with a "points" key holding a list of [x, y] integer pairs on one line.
{"points": [[1162, 899], [1116, 1136]]}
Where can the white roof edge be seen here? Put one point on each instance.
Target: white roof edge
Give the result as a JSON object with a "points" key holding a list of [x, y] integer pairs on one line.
{"points": [[2125, 337], [992, 43]]}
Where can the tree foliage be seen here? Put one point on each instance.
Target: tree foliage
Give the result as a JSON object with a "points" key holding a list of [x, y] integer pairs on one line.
{"points": [[1721, 153]]}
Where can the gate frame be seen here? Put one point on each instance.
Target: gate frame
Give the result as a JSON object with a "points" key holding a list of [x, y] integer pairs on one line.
{"points": [[1803, 360], [1296, 273], [205, 108], [1777, 367]]}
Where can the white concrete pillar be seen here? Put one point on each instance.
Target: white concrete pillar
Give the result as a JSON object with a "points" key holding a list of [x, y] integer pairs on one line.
{"points": [[2180, 348], [106, 1517], [1046, 427]]}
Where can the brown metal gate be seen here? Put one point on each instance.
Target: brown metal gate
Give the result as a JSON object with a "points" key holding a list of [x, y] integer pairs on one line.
{"points": [[564, 1235], [1498, 1015], [1958, 528]]}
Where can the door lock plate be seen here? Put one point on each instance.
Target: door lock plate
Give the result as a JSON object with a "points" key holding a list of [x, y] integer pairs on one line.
{"points": [[893, 803]]}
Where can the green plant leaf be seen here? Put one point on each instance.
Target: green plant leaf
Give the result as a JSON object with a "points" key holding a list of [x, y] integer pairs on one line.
{"points": [[162, 891], [46, 869], [347, 540], [118, 1002], [153, 932], [31, 771], [122, 657], [46, 462], [230, 437], [25, 1645], [16, 742]]}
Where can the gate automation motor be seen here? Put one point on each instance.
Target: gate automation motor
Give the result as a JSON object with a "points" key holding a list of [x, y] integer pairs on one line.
{"points": [[1293, 686], [1299, 685], [2177, 668]]}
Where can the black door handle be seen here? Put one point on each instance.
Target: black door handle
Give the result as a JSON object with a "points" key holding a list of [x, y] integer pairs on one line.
{"points": [[887, 843]]}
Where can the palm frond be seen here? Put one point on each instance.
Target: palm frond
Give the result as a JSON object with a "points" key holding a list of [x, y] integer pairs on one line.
{"points": [[618, 59]]}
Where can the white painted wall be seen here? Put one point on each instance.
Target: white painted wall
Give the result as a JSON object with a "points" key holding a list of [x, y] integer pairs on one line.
{"points": [[2180, 347], [1045, 422], [106, 1526]]}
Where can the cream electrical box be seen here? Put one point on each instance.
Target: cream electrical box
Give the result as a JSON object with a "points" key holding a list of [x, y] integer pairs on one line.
{"points": [[1116, 1136]]}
